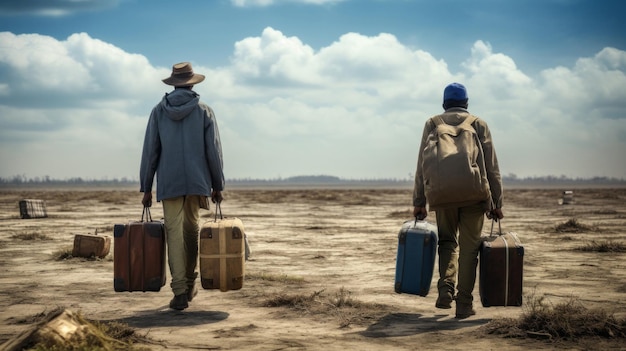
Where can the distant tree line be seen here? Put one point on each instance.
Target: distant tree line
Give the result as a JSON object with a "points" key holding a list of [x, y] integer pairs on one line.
{"points": [[511, 179], [22, 180]]}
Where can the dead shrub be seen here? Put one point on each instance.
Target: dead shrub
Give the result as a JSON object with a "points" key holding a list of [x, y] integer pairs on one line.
{"points": [[566, 321], [572, 320], [573, 226], [343, 298], [602, 246]]}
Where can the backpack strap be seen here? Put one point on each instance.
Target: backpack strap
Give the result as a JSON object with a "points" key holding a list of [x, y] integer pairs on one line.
{"points": [[469, 120], [482, 164], [437, 120]]}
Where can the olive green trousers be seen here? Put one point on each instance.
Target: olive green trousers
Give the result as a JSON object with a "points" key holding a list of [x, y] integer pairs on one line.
{"points": [[459, 231], [182, 227]]}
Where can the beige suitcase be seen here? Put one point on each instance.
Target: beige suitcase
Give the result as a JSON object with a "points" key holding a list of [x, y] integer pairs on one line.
{"points": [[222, 253]]}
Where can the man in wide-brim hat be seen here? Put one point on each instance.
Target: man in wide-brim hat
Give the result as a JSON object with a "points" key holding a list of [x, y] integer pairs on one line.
{"points": [[183, 76], [182, 148]]}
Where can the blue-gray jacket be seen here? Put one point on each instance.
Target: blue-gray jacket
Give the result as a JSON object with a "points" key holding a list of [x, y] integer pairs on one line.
{"points": [[182, 146]]}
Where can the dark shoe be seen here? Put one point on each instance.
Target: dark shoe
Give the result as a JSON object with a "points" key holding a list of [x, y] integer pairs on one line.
{"points": [[179, 302], [192, 291], [464, 311], [444, 300]]}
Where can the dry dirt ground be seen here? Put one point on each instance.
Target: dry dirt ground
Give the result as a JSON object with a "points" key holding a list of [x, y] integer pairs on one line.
{"points": [[320, 276]]}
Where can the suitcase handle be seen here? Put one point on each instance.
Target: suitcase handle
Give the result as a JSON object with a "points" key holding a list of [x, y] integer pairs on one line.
{"points": [[499, 228], [146, 213], [218, 207]]}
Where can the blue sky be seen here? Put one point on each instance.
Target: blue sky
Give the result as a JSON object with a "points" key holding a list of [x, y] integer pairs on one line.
{"points": [[313, 86]]}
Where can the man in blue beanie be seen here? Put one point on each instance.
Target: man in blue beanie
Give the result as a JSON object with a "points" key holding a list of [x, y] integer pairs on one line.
{"points": [[459, 179]]}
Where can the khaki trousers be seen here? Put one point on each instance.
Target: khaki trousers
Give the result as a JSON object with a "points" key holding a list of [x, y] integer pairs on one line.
{"points": [[181, 225], [459, 242]]}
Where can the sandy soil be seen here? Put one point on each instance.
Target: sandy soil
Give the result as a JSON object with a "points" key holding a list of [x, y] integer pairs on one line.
{"points": [[336, 248]]}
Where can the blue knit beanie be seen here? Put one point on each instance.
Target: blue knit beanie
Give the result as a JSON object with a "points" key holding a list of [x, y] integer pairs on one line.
{"points": [[455, 91]]}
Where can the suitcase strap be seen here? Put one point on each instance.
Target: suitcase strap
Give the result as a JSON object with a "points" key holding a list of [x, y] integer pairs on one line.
{"points": [[507, 260], [507, 263]]}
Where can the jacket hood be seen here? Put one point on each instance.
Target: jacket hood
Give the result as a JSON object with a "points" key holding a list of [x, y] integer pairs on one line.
{"points": [[179, 103]]}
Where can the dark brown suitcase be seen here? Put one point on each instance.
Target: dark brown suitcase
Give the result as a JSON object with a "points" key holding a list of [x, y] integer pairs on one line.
{"points": [[31, 208], [90, 245], [222, 253], [139, 255], [501, 270]]}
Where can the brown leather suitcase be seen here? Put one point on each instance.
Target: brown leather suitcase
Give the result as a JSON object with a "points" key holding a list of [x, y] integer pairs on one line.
{"points": [[222, 253], [501, 270], [90, 245], [139, 255]]}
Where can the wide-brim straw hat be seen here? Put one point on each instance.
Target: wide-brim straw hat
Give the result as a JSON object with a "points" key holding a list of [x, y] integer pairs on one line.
{"points": [[182, 76]]}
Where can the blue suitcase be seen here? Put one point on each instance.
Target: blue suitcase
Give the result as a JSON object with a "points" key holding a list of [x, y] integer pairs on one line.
{"points": [[417, 247]]}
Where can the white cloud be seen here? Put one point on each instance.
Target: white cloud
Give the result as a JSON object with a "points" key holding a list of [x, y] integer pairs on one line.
{"points": [[354, 108], [495, 74], [77, 71], [41, 62], [273, 57], [590, 92]]}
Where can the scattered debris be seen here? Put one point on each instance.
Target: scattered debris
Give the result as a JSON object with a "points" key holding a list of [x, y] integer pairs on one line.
{"points": [[62, 329]]}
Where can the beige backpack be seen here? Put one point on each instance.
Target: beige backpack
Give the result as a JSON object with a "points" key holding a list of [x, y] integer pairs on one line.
{"points": [[453, 165]]}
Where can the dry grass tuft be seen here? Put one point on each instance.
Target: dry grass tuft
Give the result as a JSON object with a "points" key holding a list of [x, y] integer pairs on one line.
{"points": [[113, 197], [31, 236], [119, 331], [299, 302], [603, 246], [63, 254], [573, 226], [309, 196], [279, 278], [66, 254], [343, 298], [341, 305], [566, 321]]}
